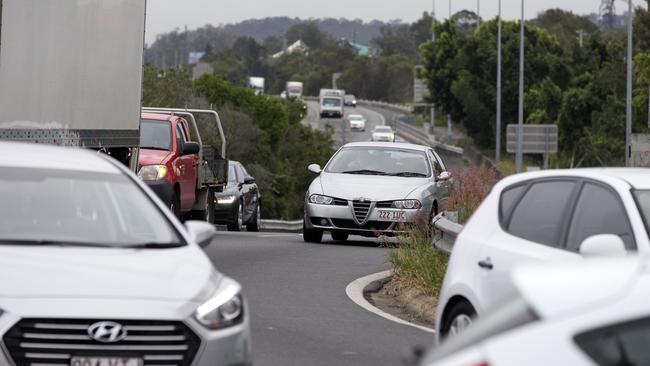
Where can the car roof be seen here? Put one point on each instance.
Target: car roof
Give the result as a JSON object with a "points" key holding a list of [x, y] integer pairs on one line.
{"points": [[157, 116], [553, 289], [396, 145], [638, 178], [43, 156]]}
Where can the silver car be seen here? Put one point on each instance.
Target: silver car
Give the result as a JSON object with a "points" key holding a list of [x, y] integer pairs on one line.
{"points": [[95, 270], [373, 188]]}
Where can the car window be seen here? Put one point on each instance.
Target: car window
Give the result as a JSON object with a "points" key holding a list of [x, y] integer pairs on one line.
{"points": [[179, 137], [619, 344], [240, 174], [435, 164], [232, 175], [509, 197], [599, 211], [539, 215], [379, 161]]}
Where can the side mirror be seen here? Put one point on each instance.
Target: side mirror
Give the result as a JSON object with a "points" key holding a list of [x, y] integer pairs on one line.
{"points": [[314, 168], [443, 176], [249, 180], [190, 148], [201, 232], [605, 245]]}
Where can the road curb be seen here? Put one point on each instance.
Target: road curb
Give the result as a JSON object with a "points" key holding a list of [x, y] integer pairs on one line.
{"points": [[371, 283]]}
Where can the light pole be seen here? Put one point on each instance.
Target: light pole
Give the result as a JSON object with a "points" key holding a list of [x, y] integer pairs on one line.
{"points": [[498, 151], [520, 127], [450, 10], [478, 13], [628, 102], [433, 39]]}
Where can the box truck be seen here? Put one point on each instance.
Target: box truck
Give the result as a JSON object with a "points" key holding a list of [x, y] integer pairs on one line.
{"points": [[331, 103], [257, 84], [294, 89]]}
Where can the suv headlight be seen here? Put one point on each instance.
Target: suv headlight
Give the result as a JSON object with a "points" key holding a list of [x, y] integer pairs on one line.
{"points": [[152, 172], [226, 200], [319, 199], [407, 204], [223, 310]]}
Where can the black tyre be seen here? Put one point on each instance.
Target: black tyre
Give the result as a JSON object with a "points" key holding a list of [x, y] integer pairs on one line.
{"points": [[238, 220], [255, 220], [340, 236], [175, 205], [311, 235], [459, 317]]}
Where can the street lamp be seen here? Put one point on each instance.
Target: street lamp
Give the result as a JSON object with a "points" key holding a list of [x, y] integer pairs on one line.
{"points": [[498, 150], [520, 127], [478, 13], [433, 39], [628, 102]]}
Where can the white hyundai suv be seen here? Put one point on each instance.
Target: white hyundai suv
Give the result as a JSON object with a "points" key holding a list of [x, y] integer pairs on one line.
{"points": [[552, 215], [96, 271]]}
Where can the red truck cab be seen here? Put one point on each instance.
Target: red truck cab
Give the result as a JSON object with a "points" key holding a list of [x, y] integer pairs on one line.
{"points": [[169, 161]]}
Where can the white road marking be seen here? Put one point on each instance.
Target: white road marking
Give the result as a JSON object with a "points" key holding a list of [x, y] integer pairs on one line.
{"points": [[355, 292]]}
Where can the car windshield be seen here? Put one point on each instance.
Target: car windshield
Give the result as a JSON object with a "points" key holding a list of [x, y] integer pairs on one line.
{"points": [[355, 117], [232, 177], [643, 202], [61, 207], [155, 135], [331, 102], [383, 129], [349, 98], [379, 161]]}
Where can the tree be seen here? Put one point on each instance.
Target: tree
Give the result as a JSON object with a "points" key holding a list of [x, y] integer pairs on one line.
{"points": [[308, 32], [395, 38]]}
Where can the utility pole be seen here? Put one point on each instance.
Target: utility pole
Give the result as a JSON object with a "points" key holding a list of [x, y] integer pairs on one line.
{"points": [[581, 37], [498, 150], [628, 106], [519, 159], [478, 13], [433, 39]]}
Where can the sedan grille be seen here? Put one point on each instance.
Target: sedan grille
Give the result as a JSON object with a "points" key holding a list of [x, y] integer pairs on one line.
{"points": [[50, 342], [361, 210]]}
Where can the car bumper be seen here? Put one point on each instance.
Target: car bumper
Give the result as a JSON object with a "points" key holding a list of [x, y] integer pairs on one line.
{"points": [[226, 347], [341, 218], [163, 189], [225, 213], [358, 127]]}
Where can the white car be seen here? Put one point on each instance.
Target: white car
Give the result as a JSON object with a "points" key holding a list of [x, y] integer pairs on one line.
{"points": [[95, 270], [357, 122], [544, 216], [383, 134], [590, 313]]}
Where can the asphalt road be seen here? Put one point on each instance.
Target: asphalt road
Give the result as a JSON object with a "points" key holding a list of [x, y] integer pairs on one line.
{"points": [[299, 310]]}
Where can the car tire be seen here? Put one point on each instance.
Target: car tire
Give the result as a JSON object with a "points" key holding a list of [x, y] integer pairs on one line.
{"points": [[311, 235], [237, 222], [340, 236], [175, 205], [460, 316], [255, 220]]}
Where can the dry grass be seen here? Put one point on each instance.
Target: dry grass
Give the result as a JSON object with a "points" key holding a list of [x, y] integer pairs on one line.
{"points": [[468, 190]]}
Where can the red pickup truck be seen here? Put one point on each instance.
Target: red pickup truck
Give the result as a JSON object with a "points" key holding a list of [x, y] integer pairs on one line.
{"points": [[174, 166]]}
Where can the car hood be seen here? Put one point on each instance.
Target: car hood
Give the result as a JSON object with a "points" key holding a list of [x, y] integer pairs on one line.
{"points": [[183, 273], [153, 157], [372, 187]]}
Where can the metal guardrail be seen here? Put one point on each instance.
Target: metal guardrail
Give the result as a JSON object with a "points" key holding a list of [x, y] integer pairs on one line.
{"points": [[281, 225], [446, 233]]}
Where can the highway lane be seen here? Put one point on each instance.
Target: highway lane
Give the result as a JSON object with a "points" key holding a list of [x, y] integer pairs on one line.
{"points": [[299, 310]]}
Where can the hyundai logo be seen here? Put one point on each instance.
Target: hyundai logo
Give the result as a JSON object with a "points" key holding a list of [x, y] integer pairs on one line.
{"points": [[107, 332]]}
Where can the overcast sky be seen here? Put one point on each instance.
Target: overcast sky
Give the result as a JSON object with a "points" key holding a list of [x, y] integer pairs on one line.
{"points": [[165, 15]]}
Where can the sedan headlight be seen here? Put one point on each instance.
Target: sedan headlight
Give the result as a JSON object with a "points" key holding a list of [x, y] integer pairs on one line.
{"points": [[223, 310], [226, 200], [407, 204], [152, 172], [319, 199]]}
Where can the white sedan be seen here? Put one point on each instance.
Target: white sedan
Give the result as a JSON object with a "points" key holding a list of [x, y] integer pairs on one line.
{"points": [[357, 122], [383, 134], [590, 313], [547, 216]]}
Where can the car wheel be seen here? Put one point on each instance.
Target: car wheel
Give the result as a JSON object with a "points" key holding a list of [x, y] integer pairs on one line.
{"points": [[311, 235], [339, 236], [256, 219], [238, 221], [175, 205], [460, 316]]}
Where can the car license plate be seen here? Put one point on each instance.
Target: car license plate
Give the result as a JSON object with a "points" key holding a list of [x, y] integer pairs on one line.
{"points": [[105, 361], [391, 215]]}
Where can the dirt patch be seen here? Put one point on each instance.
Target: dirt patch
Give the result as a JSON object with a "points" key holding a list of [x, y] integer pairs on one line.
{"points": [[403, 302]]}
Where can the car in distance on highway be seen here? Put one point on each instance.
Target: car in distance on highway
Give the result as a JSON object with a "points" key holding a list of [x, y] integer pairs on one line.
{"points": [[589, 313], [350, 100], [547, 216], [383, 134], [97, 271], [240, 203], [357, 122], [371, 188]]}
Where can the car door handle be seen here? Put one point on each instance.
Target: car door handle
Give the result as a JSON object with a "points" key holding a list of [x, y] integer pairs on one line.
{"points": [[486, 264]]}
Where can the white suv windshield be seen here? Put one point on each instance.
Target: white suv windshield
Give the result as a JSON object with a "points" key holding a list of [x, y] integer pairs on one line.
{"points": [[379, 161], [331, 102], [49, 206], [383, 129]]}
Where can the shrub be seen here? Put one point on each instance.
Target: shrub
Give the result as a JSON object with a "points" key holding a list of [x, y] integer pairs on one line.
{"points": [[468, 189]]}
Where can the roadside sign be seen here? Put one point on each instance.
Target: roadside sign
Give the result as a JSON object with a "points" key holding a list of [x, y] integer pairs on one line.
{"points": [[420, 88], [538, 139], [641, 150]]}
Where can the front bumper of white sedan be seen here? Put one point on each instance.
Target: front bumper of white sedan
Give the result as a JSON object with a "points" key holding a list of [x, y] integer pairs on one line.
{"points": [[369, 219]]}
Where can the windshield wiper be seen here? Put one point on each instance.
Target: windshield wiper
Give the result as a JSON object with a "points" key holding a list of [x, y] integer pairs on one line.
{"points": [[408, 174], [365, 171], [60, 243], [153, 245]]}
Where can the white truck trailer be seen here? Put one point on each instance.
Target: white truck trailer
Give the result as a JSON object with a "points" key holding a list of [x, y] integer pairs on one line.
{"points": [[71, 73], [257, 84], [294, 89]]}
